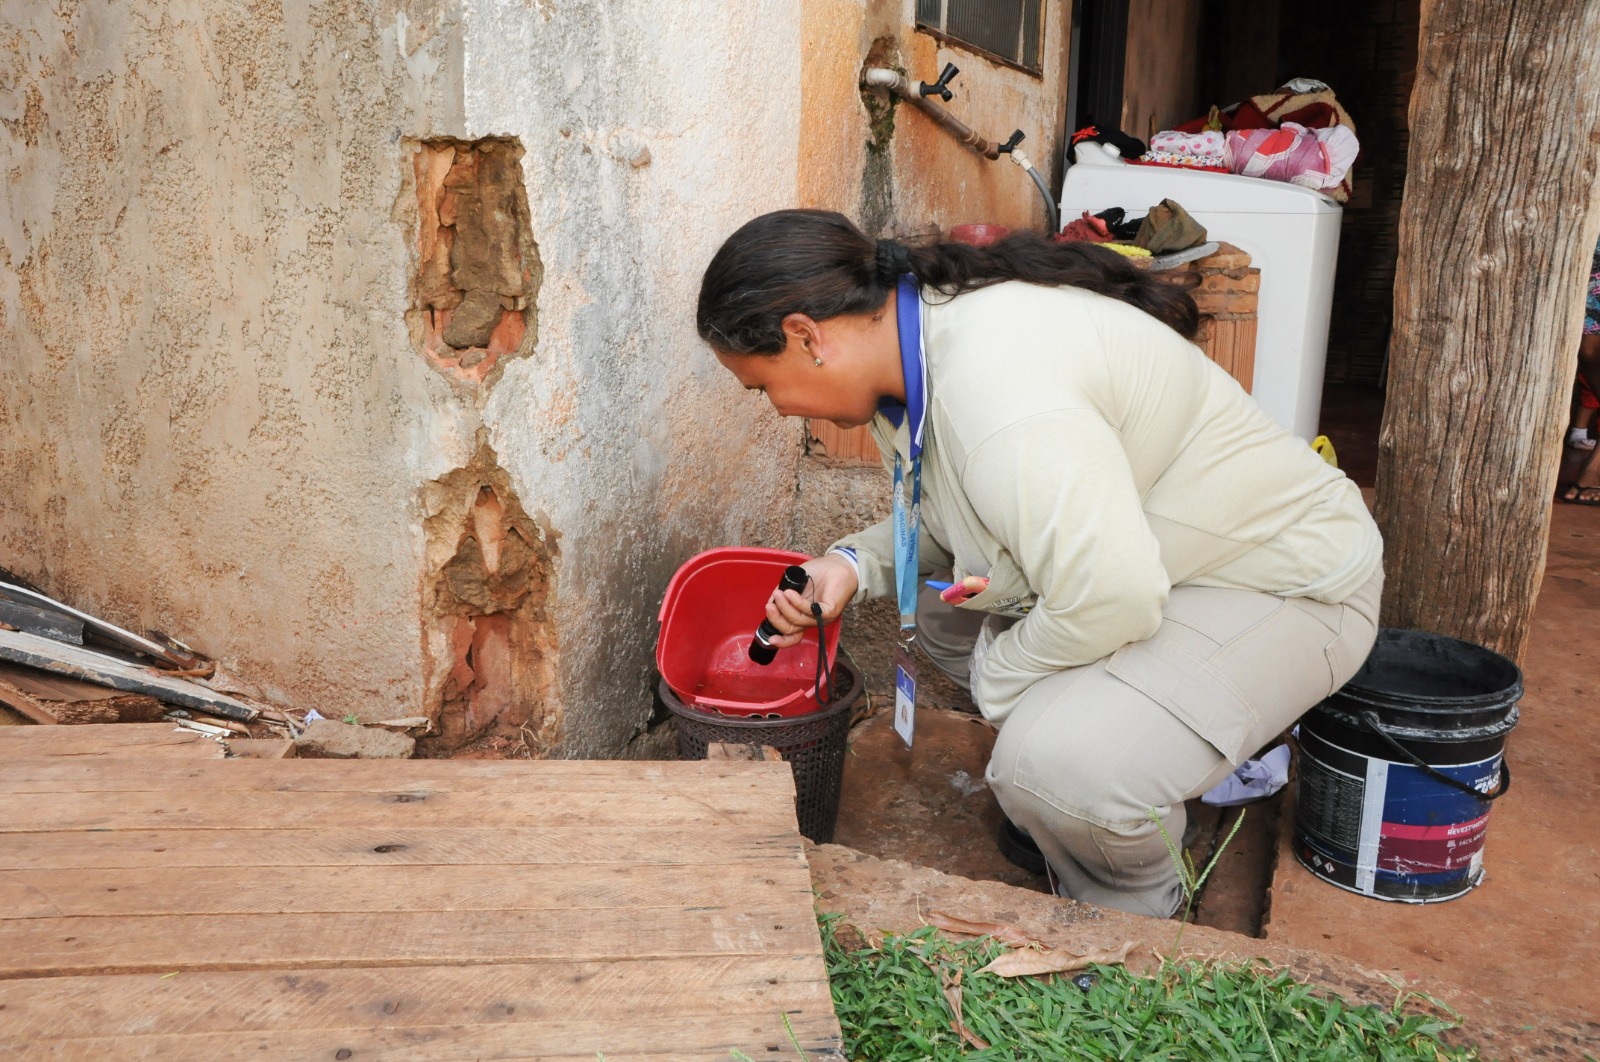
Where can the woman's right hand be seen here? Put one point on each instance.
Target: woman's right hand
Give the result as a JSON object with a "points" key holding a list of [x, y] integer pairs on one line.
{"points": [[833, 584]]}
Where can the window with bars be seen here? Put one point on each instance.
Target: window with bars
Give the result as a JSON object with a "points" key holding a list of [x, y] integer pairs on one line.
{"points": [[1008, 30]]}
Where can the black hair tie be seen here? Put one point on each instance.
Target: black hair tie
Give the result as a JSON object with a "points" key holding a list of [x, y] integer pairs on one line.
{"points": [[893, 260]]}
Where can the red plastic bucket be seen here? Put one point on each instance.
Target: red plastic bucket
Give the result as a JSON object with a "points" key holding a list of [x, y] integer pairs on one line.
{"points": [[711, 609], [980, 234]]}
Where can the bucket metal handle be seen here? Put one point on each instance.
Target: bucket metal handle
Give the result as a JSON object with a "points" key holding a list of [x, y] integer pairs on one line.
{"points": [[1376, 726]]}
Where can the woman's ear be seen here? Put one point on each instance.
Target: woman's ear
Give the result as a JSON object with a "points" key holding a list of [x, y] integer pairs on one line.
{"points": [[802, 332]]}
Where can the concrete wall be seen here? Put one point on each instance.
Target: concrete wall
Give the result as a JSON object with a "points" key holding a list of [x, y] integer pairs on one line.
{"points": [[209, 423], [222, 416], [892, 168], [652, 131]]}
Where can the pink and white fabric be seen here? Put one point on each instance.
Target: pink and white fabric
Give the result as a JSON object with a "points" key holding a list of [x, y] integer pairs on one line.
{"points": [[1204, 150], [1311, 158]]}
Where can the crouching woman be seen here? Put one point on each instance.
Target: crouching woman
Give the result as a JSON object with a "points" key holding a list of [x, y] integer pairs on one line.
{"points": [[1151, 579]]}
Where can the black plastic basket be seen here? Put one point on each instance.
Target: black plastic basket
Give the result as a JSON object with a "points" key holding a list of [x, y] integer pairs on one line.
{"points": [[813, 745]]}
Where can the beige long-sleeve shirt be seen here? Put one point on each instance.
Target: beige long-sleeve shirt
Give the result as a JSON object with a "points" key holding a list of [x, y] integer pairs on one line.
{"points": [[1086, 458]]}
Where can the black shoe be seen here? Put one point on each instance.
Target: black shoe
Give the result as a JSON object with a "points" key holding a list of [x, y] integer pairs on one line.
{"points": [[1018, 847]]}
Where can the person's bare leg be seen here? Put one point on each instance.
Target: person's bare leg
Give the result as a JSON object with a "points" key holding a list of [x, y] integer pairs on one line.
{"points": [[1586, 488]]}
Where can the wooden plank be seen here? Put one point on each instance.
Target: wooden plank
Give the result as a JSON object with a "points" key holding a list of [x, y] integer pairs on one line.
{"points": [[45, 686], [695, 1037], [222, 809], [165, 890], [419, 996], [646, 911], [644, 779], [127, 708], [19, 701], [70, 660], [53, 947], [51, 699], [109, 631], [664, 844], [96, 742]]}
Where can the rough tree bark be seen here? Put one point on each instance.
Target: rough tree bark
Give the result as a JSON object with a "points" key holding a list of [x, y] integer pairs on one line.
{"points": [[1496, 233]]}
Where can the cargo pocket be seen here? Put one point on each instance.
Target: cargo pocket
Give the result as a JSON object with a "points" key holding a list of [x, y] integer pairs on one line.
{"points": [[1192, 689], [1352, 642]]}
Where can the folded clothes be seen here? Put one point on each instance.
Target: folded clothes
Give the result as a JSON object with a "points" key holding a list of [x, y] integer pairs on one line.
{"points": [[1302, 102], [1207, 149], [1312, 158]]}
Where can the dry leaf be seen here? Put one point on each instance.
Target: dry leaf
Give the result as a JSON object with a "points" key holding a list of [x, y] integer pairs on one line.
{"points": [[952, 995], [1003, 933], [970, 1037], [952, 992], [1031, 963]]}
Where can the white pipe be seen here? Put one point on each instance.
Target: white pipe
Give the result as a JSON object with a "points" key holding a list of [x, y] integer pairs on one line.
{"points": [[878, 77], [900, 85]]}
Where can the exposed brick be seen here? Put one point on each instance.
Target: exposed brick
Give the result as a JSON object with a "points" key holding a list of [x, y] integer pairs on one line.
{"points": [[1227, 256], [1249, 281]]}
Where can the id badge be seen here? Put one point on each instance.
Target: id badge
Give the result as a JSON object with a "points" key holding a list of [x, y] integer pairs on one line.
{"points": [[905, 696]]}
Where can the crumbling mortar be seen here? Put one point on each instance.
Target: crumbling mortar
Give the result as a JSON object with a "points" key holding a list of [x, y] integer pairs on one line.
{"points": [[475, 285], [489, 641]]}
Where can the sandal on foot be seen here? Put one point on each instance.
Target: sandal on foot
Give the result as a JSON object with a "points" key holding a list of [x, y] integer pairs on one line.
{"points": [[1578, 494]]}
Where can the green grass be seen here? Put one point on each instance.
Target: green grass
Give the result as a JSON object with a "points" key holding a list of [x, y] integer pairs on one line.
{"points": [[892, 1006]]}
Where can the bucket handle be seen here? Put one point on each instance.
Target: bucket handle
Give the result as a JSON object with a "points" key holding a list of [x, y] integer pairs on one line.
{"points": [[1376, 726]]}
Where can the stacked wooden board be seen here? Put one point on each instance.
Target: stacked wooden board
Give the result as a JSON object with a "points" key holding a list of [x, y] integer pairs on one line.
{"points": [[158, 906]]}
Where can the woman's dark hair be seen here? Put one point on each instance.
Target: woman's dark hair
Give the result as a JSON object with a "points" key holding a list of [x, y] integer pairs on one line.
{"points": [[817, 262]]}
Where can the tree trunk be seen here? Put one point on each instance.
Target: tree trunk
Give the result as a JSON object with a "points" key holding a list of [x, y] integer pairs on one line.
{"points": [[1496, 235]]}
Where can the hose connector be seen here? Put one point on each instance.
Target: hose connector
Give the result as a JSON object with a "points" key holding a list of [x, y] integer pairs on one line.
{"points": [[940, 88]]}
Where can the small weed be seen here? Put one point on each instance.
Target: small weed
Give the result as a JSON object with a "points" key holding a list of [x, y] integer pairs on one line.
{"points": [[1191, 880]]}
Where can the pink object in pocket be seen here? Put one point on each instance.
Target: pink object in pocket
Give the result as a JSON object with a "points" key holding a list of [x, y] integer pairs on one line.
{"points": [[965, 590]]}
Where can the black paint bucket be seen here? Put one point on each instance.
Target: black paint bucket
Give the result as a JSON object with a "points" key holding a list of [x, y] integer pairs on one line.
{"points": [[1398, 769]]}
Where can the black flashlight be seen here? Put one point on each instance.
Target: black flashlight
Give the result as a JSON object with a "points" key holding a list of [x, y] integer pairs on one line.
{"points": [[762, 651]]}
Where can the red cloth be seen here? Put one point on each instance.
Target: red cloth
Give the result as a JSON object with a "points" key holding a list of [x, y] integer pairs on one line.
{"points": [[1245, 116], [1087, 229]]}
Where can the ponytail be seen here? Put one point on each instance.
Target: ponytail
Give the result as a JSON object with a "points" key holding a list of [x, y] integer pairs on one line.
{"points": [[817, 263]]}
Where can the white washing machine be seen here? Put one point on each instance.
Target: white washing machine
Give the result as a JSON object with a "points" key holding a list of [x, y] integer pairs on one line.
{"points": [[1292, 236]]}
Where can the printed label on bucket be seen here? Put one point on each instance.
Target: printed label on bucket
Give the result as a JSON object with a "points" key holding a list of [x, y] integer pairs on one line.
{"points": [[1393, 831]]}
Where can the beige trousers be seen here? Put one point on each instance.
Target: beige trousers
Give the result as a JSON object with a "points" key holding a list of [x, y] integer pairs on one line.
{"points": [[1088, 752]]}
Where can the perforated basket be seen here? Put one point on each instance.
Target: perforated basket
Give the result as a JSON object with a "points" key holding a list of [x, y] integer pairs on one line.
{"points": [[813, 745]]}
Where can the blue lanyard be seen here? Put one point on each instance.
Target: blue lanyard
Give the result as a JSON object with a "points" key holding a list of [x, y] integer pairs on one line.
{"points": [[908, 512]]}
